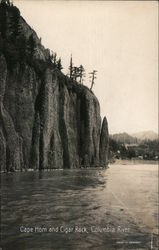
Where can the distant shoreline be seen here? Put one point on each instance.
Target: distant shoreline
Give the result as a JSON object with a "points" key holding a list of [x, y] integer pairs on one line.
{"points": [[134, 162]]}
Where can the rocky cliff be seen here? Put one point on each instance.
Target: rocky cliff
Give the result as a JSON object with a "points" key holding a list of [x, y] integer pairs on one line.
{"points": [[47, 120]]}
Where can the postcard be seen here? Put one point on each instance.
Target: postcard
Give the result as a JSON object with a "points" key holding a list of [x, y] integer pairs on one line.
{"points": [[79, 142]]}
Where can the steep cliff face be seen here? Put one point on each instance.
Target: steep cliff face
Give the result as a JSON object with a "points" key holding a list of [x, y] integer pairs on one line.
{"points": [[46, 119]]}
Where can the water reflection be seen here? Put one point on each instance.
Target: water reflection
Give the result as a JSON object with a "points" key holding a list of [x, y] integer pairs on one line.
{"points": [[65, 198]]}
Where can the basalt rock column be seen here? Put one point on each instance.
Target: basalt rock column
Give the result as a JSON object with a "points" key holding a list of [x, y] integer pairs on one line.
{"points": [[104, 143]]}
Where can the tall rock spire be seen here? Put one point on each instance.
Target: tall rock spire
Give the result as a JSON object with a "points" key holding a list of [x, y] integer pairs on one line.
{"points": [[104, 143]]}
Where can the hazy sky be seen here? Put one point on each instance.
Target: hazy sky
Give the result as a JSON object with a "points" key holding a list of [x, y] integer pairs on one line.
{"points": [[117, 38]]}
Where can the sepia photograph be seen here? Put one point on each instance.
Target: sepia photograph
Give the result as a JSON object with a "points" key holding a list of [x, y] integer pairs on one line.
{"points": [[79, 144]]}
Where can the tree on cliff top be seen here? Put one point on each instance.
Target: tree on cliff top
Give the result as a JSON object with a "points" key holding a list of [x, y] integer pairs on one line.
{"points": [[54, 62], [81, 73], [59, 65], [71, 67], [9, 19], [54, 59], [93, 77], [75, 73], [31, 45], [3, 18], [78, 72], [14, 22], [5, 2]]}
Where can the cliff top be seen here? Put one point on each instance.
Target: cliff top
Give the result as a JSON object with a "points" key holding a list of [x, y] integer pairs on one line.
{"points": [[20, 44]]}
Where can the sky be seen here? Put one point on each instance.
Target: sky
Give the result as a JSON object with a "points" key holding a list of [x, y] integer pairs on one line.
{"points": [[119, 39]]}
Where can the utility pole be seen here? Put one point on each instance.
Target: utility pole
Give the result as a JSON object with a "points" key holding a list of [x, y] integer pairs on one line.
{"points": [[93, 77]]}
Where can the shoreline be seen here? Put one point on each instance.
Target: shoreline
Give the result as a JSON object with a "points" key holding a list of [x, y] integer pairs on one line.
{"points": [[116, 162], [53, 169]]}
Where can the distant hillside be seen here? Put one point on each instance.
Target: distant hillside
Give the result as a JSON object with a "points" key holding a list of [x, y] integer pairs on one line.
{"points": [[146, 135], [124, 138], [125, 146]]}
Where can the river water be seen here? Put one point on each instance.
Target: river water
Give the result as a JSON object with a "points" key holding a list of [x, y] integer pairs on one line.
{"points": [[114, 208]]}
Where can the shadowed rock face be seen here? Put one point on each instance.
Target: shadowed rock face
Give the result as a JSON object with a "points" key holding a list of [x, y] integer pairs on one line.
{"points": [[46, 119], [104, 143]]}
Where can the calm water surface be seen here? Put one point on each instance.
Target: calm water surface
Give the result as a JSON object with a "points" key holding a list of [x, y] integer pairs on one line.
{"points": [[114, 208]]}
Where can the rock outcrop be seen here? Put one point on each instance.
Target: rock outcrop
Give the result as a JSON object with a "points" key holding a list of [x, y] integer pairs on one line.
{"points": [[47, 120], [104, 143]]}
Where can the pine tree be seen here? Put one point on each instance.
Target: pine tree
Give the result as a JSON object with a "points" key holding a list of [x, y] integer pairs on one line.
{"points": [[75, 73], [14, 24], [59, 65], [81, 73], [54, 59], [7, 2], [31, 44], [71, 68], [93, 77], [51, 57], [3, 18]]}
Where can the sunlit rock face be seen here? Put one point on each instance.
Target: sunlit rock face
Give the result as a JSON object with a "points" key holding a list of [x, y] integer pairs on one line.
{"points": [[47, 120]]}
